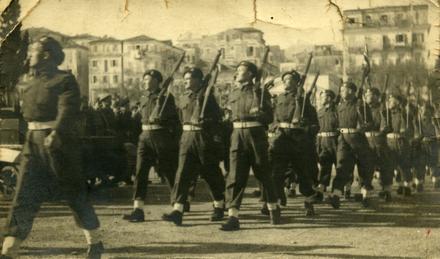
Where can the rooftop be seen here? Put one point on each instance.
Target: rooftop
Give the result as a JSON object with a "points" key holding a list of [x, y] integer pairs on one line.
{"points": [[388, 8]]}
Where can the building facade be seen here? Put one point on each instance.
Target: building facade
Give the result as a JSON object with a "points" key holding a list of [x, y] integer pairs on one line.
{"points": [[393, 34], [76, 60]]}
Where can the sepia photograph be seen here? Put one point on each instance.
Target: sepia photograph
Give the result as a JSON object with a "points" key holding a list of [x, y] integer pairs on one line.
{"points": [[220, 129]]}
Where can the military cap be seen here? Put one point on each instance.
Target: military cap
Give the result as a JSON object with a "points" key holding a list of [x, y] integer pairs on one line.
{"points": [[154, 74], [52, 46], [251, 66], [123, 101], [330, 93], [194, 71], [350, 85], [296, 76], [374, 91]]}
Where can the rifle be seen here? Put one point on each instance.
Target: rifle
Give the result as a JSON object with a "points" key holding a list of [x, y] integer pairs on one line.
{"points": [[304, 76], [384, 99], [166, 84], [207, 84], [308, 94], [408, 88], [365, 74], [419, 116], [259, 76]]}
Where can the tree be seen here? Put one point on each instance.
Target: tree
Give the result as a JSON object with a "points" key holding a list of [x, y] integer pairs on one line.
{"points": [[13, 51]]}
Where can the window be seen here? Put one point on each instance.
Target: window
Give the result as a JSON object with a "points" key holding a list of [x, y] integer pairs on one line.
{"points": [[104, 79], [95, 48], [351, 20], [384, 19], [250, 51], [95, 79], [114, 63], [138, 47], [368, 20], [115, 47], [115, 79], [105, 65], [400, 38], [94, 63]]}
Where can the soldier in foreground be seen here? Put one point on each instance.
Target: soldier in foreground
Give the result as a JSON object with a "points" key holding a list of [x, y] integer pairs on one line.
{"points": [[199, 146], [291, 143], [51, 162], [158, 143], [249, 144]]}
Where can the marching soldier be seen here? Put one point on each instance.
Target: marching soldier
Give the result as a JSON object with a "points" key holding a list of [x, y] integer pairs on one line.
{"points": [[200, 147], [327, 140], [249, 144], [291, 145], [399, 133], [51, 158], [377, 141], [158, 142], [426, 149], [352, 145]]}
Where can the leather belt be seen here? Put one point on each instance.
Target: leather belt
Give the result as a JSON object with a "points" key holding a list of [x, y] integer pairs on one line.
{"points": [[327, 134], [246, 124], [394, 135], [372, 133], [36, 125], [429, 139], [151, 127], [348, 130], [188, 127], [287, 125]]}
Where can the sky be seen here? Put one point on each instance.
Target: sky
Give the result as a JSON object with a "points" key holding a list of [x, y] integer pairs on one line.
{"points": [[284, 22]]}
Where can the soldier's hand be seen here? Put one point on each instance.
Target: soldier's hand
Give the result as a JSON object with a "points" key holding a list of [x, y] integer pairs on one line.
{"points": [[254, 110], [52, 141]]}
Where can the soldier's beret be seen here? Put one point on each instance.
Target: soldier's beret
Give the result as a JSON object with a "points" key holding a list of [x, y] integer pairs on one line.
{"points": [[350, 85], [374, 91], [194, 71], [330, 93], [52, 46], [251, 66], [296, 76], [154, 74]]}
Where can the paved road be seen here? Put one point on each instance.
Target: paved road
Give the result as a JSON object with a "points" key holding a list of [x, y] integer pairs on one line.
{"points": [[405, 228]]}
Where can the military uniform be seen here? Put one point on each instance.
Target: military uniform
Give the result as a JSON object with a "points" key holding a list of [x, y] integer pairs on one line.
{"points": [[327, 142], [158, 142], [353, 147], [398, 140], [292, 145], [51, 102], [200, 147], [378, 145], [249, 144], [425, 152]]}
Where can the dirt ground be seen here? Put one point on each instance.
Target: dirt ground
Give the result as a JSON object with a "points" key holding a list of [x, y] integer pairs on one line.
{"points": [[404, 228]]}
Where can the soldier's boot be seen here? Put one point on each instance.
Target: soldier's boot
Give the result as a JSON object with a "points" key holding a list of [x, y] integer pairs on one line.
{"points": [[265, 210], [137, 215], [347, 191], [310, 210], [400, 190], [217, 214], [387, 196], [292, 191], [365, 202], [275, 216], [94, 251], [10, 247], [233, 224], [175, 216], [334, 201], [186, 206], [320, 196], [256, 193]]}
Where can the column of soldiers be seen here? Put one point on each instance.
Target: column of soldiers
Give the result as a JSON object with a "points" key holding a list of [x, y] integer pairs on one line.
{"points": [[185, 138]]}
